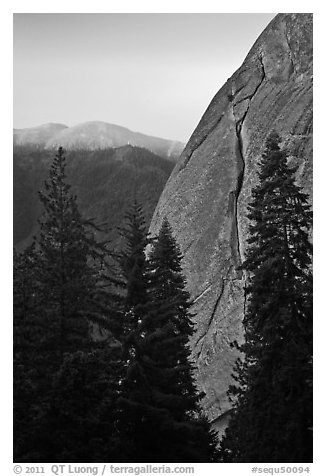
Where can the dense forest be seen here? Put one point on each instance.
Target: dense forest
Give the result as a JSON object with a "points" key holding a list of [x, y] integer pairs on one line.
{"points": [[131, 396]]}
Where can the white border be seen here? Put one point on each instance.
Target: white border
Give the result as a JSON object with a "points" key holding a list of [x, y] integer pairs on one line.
{"points": [[168, 6]]}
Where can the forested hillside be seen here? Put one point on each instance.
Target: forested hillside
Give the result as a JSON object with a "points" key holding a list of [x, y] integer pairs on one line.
{"points": [[105, 181]]}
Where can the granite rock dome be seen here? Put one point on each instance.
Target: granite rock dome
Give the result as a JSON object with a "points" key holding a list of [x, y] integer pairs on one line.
{"points": [[206, 197]]}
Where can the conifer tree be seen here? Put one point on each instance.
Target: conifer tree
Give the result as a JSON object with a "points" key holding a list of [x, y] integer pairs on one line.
{"points": [[77, 292], [159, 398], [135, 296], [272, 416], [66, 272], [61, 286], [134, 267]]}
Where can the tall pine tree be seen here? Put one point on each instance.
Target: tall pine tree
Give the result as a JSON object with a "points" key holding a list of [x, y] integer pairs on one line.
{"points": [[134, 267], [66, 269], [160, 402], [272, 416], [135, 291], [61, 287]]}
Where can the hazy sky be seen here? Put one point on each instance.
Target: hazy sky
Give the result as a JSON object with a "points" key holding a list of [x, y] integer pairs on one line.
{"points": [[153, 73]]}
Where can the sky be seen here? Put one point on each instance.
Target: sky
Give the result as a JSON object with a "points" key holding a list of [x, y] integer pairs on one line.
{"points": [[153, 73]]}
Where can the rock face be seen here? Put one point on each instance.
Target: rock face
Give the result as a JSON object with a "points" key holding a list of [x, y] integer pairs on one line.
{"points": [[206, 197]]}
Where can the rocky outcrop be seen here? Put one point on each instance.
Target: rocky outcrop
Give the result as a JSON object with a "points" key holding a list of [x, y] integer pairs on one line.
{"points": [[207, 195]]}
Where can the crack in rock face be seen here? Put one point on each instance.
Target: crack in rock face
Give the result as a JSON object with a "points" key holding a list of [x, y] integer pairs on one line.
{"points": [[206, 197], [240, 153]]}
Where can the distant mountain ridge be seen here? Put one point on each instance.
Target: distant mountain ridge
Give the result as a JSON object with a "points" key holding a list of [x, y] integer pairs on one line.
{"points": [[93, 135], [39, 135]]}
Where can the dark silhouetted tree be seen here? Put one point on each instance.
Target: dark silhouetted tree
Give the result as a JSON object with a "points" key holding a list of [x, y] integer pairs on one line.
{"points": [[134, 267], [160, 402], [65, 271], [62, 288]]}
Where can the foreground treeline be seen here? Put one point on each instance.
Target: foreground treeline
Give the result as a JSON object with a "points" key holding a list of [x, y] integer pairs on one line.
{"points": [[101, 358], [102, 368]]}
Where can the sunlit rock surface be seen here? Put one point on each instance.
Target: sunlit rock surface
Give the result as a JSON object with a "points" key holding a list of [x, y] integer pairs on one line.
{"points": [[206, 197]]}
